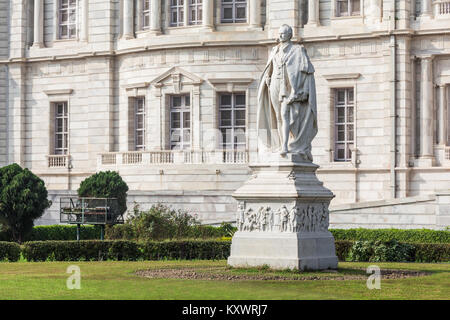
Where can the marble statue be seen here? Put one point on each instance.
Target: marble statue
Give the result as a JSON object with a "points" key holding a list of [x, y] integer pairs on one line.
{"points": [[287, 111]]}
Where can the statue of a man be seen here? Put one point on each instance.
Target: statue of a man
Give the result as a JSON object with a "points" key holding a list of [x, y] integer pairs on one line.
{"points": [[287, 111]]}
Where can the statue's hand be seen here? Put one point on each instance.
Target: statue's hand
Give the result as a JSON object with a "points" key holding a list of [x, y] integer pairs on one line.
{"points": [[291, 99]]}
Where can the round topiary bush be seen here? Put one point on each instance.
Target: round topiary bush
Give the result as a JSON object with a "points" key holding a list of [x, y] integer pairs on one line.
{"points": [[105, 184], [23, 198]]}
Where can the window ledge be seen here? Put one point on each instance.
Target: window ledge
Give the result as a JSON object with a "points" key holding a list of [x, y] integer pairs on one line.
{"points": [[346, 17]]}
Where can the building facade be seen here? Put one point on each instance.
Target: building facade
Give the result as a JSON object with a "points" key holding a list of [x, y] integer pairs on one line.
{"points": [[164, 92]]}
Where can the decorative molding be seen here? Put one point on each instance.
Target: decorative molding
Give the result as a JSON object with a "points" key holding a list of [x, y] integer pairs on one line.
{"points": [[230, 84], [136, 85], [175, 73], [58, 92], [342, 76]]}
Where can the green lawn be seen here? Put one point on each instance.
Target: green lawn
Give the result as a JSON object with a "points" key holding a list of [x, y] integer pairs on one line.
{"points": [[116, 280]]}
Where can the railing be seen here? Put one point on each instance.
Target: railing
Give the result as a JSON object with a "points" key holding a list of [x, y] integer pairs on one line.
{"points": [[58, 161], [447, 153], [442, 8], [173, 157], [132, 157]]}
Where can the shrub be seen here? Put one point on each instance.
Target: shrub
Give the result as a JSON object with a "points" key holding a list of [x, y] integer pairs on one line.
{"points": [[124, 250], [9, 251], [161, 222], [120, 232], [105, 184], [342, 249], [23, 198], [376, 251], [361, 251], [187, 250], [86, 250], [63, 232], [410, 235], [393, 251], [431, 252]]}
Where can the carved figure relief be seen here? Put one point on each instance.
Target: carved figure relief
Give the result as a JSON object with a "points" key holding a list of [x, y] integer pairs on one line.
{"points": [[309, 218]]}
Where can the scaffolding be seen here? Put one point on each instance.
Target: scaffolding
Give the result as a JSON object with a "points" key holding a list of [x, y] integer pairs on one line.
{"points": [[94, 211]]}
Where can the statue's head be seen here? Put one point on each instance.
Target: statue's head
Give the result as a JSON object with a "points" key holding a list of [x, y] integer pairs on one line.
{"points": [[285, 33]]}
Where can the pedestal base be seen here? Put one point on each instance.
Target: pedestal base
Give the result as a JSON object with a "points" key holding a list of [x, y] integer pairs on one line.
{"points": [[300, 251], [283, 217]]}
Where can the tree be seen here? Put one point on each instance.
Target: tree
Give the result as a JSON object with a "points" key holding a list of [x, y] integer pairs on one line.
{"points": [[105, 184], [23, 198]]}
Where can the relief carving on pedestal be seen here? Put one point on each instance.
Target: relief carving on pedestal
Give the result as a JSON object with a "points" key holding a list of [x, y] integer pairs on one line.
{"points": [[304, 218]]}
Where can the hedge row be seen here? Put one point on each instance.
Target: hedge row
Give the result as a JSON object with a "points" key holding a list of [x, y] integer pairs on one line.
{"points": [[127, 232], [93, 250], [68, 232], [9, 251], [401, 235]]}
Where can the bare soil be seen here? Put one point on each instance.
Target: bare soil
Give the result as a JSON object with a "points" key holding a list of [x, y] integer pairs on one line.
{"points": [[224, 273]]}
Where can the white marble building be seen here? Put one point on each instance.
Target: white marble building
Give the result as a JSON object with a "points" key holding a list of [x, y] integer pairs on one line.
{"points": [[145, 87]]}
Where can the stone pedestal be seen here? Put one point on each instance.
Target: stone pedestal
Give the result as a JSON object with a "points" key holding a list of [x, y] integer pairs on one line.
{"points": [[282, 217]]}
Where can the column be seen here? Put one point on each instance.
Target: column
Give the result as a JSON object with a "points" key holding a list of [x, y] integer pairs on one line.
{"points": [[155, 19], [84, 32], [208, 14], [442, 115], [413, 10], [426, 8], [255, 13], [38, 24], [128, 32], [313, 12], [426, 108], [139, 17]]}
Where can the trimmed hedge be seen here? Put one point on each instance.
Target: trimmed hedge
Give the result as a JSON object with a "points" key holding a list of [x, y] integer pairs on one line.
{"points": [[118, 250], [187, 250], [127, 232], [401, 235], [94, 250], [431, 252], [64, 232], [9, 251], [87, 250], [342, 249]]}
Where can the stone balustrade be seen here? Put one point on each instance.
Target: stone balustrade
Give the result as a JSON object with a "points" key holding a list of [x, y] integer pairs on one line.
{"points": [[173, 157], [442, 8], [58, 161]]}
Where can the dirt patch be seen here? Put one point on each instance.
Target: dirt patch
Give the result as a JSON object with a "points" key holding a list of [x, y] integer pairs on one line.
{"points": [[226, 274]]}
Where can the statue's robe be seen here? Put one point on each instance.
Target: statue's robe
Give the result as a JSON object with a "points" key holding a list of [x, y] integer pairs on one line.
{"points": [[299, 79]]}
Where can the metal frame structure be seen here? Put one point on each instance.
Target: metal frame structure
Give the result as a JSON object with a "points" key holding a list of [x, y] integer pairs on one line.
{"points": [[94, 211]]}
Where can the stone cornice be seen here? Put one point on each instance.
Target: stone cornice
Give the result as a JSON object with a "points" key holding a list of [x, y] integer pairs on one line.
{"points": [[219, 43], [136, 85], [341, 76], [215, 81], [58, 92]]}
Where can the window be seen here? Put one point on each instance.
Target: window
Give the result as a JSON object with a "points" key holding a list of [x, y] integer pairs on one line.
{"points": [[67, 19], [176, 13], [348, 8], [234, 11], [61, 128], [145, 14], [232, 121], [180, 122], [344, 124], [195, 11], [139, 124]]}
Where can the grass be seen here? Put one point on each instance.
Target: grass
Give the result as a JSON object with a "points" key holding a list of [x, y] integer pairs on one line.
{"points": [[116, 280]]}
